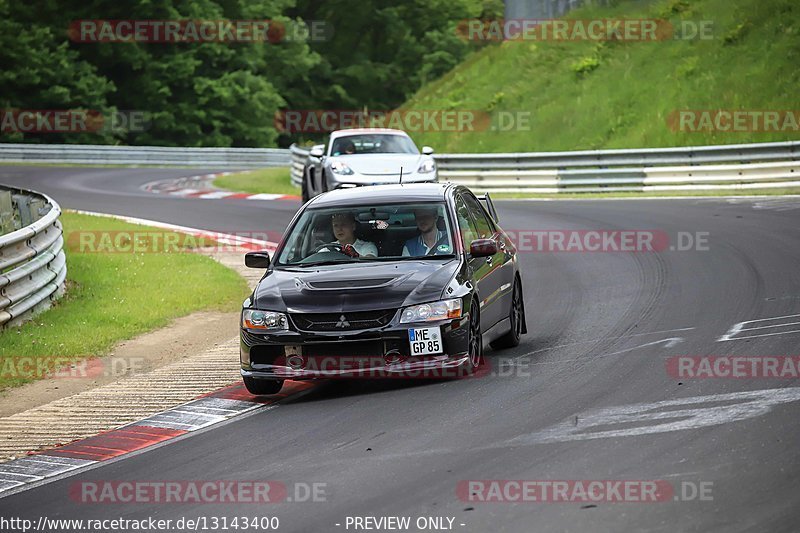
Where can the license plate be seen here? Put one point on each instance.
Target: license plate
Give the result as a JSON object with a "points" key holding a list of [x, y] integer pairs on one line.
{"points": [[425, 341]]}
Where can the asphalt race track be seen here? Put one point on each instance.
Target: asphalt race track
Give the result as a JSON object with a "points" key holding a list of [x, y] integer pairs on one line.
{"points": [[586, 396]]}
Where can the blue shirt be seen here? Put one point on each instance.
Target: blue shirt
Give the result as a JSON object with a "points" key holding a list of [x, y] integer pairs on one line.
{"points": [[416, 247]]}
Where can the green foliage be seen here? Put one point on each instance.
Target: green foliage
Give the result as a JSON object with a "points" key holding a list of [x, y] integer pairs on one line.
{"points": [[585, 65], [226, 94], [580, 95]]}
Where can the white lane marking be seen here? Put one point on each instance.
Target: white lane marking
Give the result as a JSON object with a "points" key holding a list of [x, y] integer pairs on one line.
{"points": [[668, 343], [663, 416], [740, 327], [567, 345]]}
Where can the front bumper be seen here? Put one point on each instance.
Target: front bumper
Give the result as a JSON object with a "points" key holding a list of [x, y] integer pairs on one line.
{"points": [[367, 354], [337, 181]]}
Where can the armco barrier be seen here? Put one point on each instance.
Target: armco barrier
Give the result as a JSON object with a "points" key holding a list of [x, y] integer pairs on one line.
{"points": [[747, 166], [82, 154], [32, 262]]}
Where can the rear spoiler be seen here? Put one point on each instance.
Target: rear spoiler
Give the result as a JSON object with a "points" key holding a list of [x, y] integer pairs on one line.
{"points": [[487, 202]]}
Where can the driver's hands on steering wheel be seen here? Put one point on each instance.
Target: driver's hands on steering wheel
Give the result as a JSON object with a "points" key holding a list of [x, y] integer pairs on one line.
{"points": [[349, 250]]}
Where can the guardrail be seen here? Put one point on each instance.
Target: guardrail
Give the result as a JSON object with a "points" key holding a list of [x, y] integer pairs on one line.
{"points": [[84, 154], [33, 266], [747, 166]]}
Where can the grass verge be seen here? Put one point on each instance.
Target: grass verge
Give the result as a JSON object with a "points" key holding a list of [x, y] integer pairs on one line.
{"points": [[263, 180], [112, 297], [582, 95]]}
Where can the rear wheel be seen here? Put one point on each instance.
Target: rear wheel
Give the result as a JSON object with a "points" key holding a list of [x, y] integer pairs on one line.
{"points": [[511, 339], [260, 387]]}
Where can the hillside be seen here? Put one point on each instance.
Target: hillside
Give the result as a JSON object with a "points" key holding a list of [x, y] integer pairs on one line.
{"points": [[607, 94]]}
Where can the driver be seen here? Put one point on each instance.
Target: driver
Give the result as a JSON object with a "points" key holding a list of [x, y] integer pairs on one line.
{"points": [[344, 229], [430, 236]]}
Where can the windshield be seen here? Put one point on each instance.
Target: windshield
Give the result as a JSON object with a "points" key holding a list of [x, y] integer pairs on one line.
{"points": [[373, 143], [393, 232]]}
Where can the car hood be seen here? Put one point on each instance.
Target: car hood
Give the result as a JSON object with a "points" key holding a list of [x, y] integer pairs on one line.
{"points": [[354, 286], [382, 164]]}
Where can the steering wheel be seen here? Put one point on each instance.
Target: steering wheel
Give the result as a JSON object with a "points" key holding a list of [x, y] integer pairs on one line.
{"points": [[332, 247]]}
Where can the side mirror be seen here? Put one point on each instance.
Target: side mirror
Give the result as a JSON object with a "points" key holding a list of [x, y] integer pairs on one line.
{"points": [[256, 259], [317, 150], [482, 248], [427, 150]]}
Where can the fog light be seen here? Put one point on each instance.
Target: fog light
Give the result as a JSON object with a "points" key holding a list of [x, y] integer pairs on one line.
{"points": [[296, 362]]}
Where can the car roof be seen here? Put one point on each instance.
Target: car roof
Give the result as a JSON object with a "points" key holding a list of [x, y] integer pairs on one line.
{"points": [[357, 131], [384, 194]]}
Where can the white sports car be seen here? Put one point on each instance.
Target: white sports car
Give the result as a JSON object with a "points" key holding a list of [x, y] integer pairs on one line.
{"points": [[371, 156]]}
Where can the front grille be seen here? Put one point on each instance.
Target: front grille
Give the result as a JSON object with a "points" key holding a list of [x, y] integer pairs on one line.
{"points": [[342, 321], [344, 349]]}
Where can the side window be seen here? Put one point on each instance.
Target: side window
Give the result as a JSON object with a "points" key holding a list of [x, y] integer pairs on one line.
{"points": [[485, 230], [466, 223]]}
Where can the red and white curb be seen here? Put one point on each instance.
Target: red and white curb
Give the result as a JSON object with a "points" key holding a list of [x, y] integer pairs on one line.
{"points": [[235, 241], [203, 412], [200, 187], [206, 411]]}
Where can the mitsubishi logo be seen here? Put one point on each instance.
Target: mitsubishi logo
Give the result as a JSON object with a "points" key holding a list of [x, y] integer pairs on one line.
{"points": [[343, 323]]}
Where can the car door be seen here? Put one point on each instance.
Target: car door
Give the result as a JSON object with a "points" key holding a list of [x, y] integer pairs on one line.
{"points": [[481, 268], [497, 304]]}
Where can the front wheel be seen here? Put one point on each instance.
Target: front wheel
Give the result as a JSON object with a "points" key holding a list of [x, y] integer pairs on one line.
{"points": [[475, 340], [260, 387], [306, 196]]}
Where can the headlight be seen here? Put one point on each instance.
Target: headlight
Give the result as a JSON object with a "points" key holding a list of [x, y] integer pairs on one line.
{"points": [[264, 320], [340, 168], [427, 166], [432, 311]]}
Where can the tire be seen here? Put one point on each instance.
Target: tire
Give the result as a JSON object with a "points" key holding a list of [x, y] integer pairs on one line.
{"points": [[517, 317], [306, 197], [260, 387], [475, 342], [324, 183]]}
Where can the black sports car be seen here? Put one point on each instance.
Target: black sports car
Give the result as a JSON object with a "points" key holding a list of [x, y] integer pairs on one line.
{"points": [[384, 281]]}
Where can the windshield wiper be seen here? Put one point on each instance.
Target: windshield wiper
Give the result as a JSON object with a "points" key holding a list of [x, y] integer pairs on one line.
{"points": [[325, 263]]}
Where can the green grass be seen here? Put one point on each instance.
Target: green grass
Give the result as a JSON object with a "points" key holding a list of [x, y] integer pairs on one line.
{"points": [[660, 194], [264, 180], [112, 297], [589, 95]]}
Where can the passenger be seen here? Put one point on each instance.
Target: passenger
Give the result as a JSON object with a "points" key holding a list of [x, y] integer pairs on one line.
{"points": [[430, 237], [344, 230]]}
